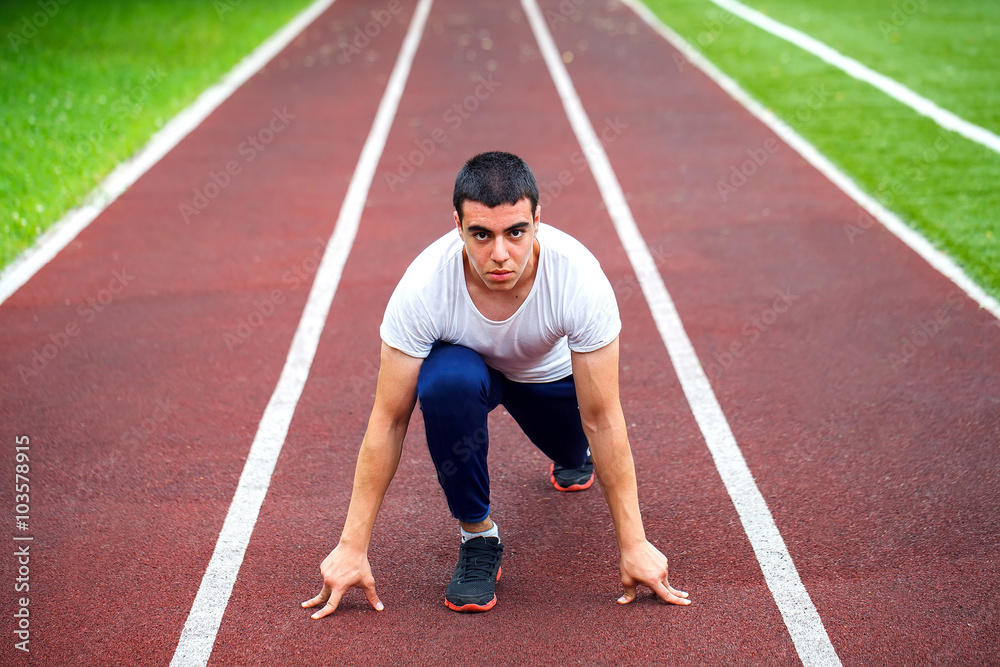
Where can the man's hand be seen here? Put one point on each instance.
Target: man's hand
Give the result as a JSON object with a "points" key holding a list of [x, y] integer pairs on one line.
{"points": [[644, 564], [343, 569]]}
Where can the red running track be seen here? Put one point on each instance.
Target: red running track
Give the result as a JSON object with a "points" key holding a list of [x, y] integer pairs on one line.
{"points": [[881, 477]]}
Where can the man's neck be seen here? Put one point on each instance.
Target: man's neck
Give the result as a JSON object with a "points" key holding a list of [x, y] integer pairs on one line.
{"points": [[498, 306]]}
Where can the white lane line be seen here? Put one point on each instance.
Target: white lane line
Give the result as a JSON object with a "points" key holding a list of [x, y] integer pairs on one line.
{"points": [[916, 242], [198, 637], [60, 234], [800, 615], [852, 67]]}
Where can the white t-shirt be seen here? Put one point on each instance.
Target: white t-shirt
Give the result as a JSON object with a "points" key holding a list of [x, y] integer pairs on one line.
{"points": [[571, 306]]}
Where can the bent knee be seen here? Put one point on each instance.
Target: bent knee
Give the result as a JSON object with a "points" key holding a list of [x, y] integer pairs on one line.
{"points": [[451, 373]]}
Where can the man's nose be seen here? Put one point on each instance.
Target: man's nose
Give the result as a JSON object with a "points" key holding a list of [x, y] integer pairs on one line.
{"points": [[499, 254]]}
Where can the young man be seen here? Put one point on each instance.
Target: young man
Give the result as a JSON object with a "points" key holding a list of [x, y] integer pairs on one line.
{"points": [[507, 311]]}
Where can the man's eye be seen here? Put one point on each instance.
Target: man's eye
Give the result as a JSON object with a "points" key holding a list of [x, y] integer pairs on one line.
{"points": [[480, 236], [517, 233]]}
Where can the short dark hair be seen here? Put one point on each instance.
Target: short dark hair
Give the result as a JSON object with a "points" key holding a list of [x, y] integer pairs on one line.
{"points": [[495, 178]]}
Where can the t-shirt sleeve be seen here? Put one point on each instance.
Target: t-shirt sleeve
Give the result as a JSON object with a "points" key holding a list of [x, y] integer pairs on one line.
{"points": [[407, 324], [594, 320]]}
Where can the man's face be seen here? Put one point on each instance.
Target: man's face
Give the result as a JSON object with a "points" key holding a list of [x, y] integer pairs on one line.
{"points": [[499, 242]]}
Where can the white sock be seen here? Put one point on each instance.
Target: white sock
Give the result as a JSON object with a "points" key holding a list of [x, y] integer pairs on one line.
{"points": [[492, 532]]}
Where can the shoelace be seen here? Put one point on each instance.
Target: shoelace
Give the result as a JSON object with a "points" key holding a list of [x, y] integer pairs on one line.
{"points": [[479, 560]]}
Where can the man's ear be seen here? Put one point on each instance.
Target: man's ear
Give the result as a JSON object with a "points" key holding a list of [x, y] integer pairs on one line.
{"points": [[458, 222], [538, 213]]}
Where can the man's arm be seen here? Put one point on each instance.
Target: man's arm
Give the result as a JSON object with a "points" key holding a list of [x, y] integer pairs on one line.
{"points": [[596, 377], [347, 565]]}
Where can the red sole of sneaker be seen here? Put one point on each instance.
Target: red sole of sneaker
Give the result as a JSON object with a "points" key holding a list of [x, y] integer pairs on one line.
{"points": [[574, 487], [465, 608], [472, 607]]}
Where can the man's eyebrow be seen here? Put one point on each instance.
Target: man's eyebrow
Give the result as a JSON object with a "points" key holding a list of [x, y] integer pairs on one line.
{"points": [[475, 229]]}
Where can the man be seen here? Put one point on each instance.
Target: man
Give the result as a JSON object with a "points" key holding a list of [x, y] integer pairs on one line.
{"points": [[510, 312]]}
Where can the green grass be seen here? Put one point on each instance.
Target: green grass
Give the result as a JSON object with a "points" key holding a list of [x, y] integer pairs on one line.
{"points": [[946, 51], [943, 185], [86, 90]]}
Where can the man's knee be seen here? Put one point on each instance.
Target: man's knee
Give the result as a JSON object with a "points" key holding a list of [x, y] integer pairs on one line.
{"points": [[451, 374], [446, 387]]}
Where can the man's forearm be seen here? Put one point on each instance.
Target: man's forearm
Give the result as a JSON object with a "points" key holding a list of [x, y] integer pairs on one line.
{"points": [[615, 469], [395, 398], [377, 463]]}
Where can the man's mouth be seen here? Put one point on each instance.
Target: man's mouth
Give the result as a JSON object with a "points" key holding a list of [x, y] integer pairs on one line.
{"points": [[500, 274]]}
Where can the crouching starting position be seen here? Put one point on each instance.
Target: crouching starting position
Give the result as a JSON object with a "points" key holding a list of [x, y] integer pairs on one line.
{"points": [[507, 311]]}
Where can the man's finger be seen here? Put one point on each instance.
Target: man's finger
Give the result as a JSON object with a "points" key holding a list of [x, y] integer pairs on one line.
{"points": [[667, 596], [680, 594], [373, 598], [323, 596], [319, 599], [331, 605], [628, 596]]}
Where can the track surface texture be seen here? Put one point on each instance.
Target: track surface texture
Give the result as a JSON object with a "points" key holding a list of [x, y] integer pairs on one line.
{"points": [[862, 387]]}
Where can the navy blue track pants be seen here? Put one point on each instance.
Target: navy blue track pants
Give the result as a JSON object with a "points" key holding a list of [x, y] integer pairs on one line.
{"points": [[457, 390]]}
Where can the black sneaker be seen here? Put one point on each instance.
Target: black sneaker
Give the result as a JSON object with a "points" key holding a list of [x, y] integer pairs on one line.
{"points": [[474, 582], [573, 479]]}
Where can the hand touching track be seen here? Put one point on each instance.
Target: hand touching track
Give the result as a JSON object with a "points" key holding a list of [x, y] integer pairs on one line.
{"points": [[342, 570], [644, 564]]}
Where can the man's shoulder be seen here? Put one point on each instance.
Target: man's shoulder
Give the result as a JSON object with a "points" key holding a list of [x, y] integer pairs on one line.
{"points": [[434, 260], [566, 249], [442, 249]]}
